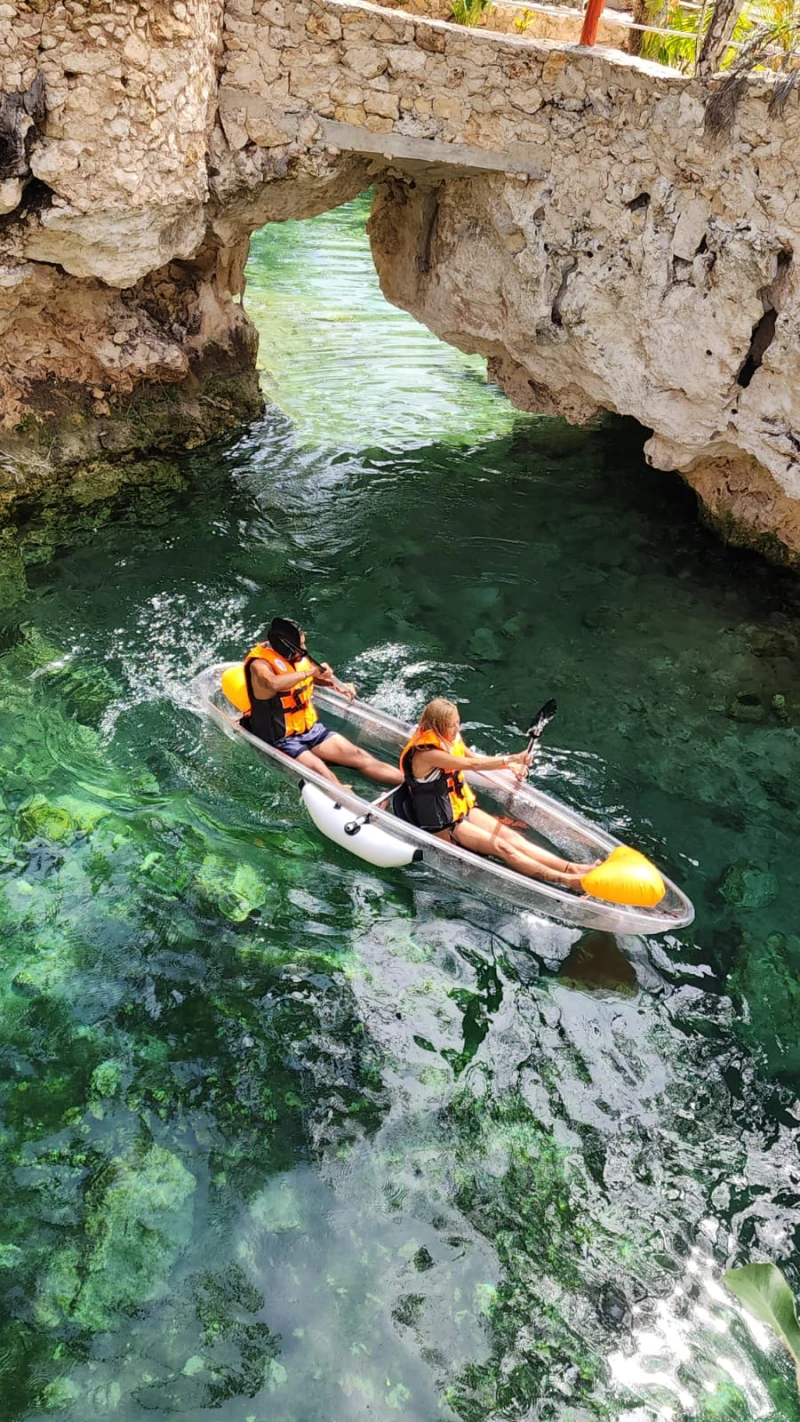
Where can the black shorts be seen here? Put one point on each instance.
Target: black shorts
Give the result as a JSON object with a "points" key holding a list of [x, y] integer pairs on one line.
{"points": [[305, 741]]}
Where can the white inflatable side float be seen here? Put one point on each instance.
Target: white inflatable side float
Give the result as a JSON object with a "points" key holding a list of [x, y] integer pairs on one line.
{"points": [[355, 832]]}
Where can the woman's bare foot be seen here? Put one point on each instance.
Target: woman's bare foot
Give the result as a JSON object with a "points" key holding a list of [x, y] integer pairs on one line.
{"points": [[571, 880]]}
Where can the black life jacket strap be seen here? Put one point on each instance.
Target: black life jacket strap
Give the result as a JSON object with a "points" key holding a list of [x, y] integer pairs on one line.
{"points": [[298, 703], [248, 676]]}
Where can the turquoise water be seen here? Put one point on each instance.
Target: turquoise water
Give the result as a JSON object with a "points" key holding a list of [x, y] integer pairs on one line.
{"points": [[290, 1140]]}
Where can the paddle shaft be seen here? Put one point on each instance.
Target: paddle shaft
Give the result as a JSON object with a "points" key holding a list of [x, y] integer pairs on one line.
{"points": [[304, 652], [540, 721], [532, 744]]}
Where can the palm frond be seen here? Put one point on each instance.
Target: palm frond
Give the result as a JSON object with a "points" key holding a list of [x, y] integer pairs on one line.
{"points": [[772, 45], [779, 99], [677, 49], [721, 107]]}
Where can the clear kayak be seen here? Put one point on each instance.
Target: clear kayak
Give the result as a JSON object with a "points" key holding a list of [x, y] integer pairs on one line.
{"points": [[368, 828]]}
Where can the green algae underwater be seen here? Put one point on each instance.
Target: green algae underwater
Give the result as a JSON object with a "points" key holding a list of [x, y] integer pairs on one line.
{"points": [[284, 1139]]}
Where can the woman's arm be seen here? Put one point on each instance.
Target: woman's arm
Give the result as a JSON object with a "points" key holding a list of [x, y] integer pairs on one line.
{"points": [[427, 760]]}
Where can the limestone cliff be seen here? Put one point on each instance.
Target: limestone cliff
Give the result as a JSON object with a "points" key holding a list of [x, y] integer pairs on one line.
{"points": [[615, 290], [557, 209], [123, 239]]}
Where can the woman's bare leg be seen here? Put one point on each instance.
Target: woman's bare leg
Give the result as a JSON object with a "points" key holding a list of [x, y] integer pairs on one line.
{"points": [[502, 834], [469, 835]]}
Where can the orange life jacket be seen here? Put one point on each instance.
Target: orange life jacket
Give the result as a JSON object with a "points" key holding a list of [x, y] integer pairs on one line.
{"points": [[290, 712], [446, 798]]}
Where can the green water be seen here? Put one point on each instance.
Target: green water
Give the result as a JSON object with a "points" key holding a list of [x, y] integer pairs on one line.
{"points": [[290, 1140]]}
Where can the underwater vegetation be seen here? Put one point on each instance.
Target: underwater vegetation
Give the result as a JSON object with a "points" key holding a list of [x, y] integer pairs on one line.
{"points": [[188, 1027], [766, 1295], [104, 894]]}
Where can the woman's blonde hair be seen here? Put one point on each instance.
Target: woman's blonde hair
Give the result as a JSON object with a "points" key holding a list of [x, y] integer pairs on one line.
{"points": [[438, 716]]}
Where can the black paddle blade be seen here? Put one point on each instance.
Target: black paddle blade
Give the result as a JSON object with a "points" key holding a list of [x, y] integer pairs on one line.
{"points": [[303, 652], [542, 719]]}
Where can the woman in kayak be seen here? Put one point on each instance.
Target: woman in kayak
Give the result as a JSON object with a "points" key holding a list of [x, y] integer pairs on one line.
{"points": [[437, 798]]}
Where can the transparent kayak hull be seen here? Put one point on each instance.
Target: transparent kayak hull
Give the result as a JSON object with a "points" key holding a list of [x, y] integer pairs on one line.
{"points": [[563, 829]]}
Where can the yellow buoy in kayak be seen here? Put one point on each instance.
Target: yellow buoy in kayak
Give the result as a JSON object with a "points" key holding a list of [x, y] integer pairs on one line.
{"points": [[234, 685], [626, 877]]}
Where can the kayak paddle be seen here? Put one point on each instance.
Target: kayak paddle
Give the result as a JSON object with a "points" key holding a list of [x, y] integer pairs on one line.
{"points": [[541, 719], [304, 652]]}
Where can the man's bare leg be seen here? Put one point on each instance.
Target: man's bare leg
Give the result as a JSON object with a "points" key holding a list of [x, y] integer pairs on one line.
{"points": [[312, 760], [337, 750]]}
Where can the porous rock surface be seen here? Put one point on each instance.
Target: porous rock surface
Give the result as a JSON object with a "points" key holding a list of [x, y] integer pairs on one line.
{"points": [[560, 210], [121, 325]]}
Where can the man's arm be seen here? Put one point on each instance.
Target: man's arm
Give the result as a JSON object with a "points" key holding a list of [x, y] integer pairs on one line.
{"points": [[271, 683], [323, 676]]}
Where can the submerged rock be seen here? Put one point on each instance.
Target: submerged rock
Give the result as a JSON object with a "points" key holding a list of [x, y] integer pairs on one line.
{"points": [[767, 976], [13, 582], [749, 884], [106, 1078], [746, 706], [779, 708], [597, 964], [484, 647], [235, 889], [41, 819], [139, 1223]]}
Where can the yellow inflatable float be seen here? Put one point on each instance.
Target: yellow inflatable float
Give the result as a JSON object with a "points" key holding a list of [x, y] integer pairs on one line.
{"points": [[626, 877], [235, 687]]}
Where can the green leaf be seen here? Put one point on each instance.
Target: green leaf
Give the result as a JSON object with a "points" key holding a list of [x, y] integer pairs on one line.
{"points": [[766, 1294]]}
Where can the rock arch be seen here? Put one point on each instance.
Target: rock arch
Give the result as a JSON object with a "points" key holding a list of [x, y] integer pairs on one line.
{"points": [[557, 209]]}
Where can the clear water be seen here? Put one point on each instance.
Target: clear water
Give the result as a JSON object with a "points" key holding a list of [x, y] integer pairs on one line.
{"points": [[288, 1140]]}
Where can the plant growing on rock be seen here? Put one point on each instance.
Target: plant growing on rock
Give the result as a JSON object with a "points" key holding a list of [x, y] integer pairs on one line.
{"points": [[771, 41], [675, 50], [706, 40], [469, 12]]}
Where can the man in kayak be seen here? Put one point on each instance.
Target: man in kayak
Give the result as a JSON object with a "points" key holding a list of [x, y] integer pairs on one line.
{"points": [[437, 798], [280, 682]]}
